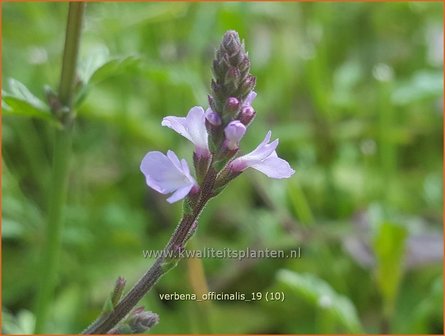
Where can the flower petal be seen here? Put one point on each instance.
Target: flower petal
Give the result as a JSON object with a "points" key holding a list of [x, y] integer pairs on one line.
{"points": [[166, 174], [263, 150], [196, 127], [180, 194], [177, 124], [249, 99], [234, 132], [191, 127], [264, 158], [213, 117], [274, 167]]}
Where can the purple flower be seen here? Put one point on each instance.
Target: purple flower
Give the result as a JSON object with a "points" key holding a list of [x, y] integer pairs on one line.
{"points": [[213, 117], [249, 99], [192, 127], [265, 159], [166, 174], [234, 131]]}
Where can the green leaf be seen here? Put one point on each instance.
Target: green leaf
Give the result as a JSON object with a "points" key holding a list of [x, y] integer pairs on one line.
{"points": [[423, 85], [320, 294], [99, 67], [20, 101], [21, 323], [389, 247], [113, 67]]}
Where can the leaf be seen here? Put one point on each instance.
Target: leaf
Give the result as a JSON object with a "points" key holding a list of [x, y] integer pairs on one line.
{"points": [[319, 293], [429, 309], [389, 248], [22, 323], [113, 67], [20, 101], [100, 67], [423, 85]]}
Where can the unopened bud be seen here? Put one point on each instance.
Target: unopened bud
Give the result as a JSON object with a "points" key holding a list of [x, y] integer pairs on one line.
{"points": [[118, 290], [213, 117], [244, 66], [247, 85], [232, 76], [212, 103], [246, 115], [139, 321], [231, 42], [232, 106], [142, 321], [216, 88]]}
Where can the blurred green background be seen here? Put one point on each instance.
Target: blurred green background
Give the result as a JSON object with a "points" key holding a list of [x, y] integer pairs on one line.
{"points": [[354, 93]]}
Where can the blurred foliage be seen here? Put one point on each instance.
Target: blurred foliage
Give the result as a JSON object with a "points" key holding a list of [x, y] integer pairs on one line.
{"points": [[353, 91]]}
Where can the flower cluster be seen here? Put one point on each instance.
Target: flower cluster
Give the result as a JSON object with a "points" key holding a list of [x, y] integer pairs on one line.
{"points": [[216, 132]]}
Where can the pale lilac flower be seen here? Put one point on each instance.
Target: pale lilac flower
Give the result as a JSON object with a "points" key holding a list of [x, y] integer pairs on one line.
{"points": [[166, 174], [249, 99], [234, 132], [192, 127], [213, 117], [265, 159]]}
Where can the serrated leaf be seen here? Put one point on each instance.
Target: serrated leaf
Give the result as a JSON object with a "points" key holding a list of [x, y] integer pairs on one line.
{"points": [[320, 294], [20, 101]]}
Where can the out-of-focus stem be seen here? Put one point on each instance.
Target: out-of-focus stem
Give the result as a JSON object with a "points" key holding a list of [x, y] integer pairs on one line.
{"points": [[60, 168], [103, 324]]}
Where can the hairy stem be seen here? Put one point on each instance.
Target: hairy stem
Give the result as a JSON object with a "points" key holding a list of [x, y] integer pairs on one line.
{"points": [[179, 238], [59, 177]]}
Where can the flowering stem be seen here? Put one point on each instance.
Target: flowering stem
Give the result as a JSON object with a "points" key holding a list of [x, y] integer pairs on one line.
{"points": [[179, 238], [59, 177]]}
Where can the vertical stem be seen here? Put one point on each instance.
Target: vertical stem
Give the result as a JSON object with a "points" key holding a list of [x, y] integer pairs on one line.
{"points": [[72, 41], [59, 177]]}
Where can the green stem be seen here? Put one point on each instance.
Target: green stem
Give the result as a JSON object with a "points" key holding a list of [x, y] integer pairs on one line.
{"points": [[60, 170], [72, 41]]}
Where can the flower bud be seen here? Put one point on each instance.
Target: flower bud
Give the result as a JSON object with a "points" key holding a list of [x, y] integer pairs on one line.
{"points": [[246, 115], [118, 290], [213, 104], [234, 132], [245, 64], [244, 67], [216, 89], [231, 42], [232, 76], [247, 85], [212, 117], [217, 69], [232, 106]]}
